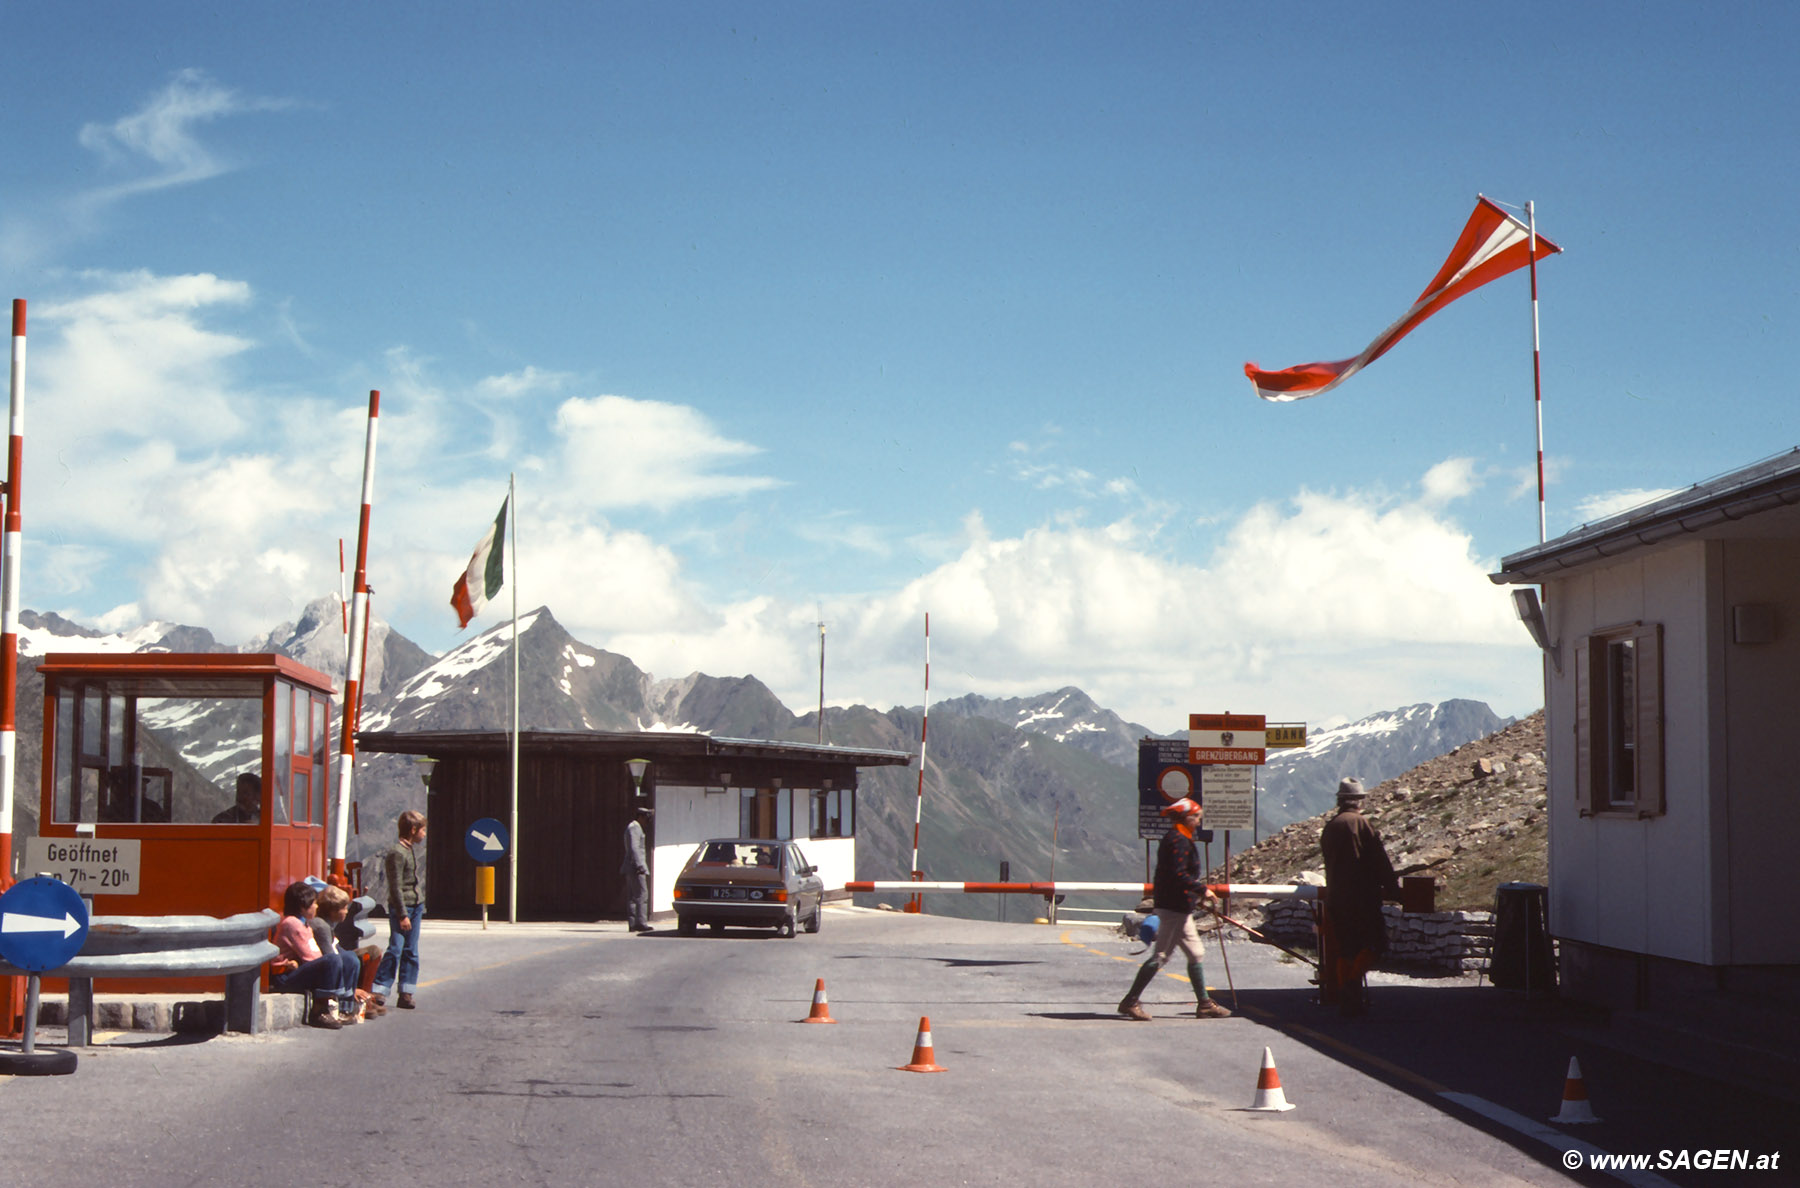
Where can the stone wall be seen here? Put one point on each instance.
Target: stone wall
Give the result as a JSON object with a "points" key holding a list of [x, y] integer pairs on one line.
{"points": [[1440, 942]]}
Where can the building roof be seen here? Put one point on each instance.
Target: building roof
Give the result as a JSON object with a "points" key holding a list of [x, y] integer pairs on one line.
{"points": [[1712, 508], [618, 744], [193, 670]]}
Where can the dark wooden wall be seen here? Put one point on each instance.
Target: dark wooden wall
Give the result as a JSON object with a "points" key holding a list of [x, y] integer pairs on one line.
{"points": [[571, 837]]}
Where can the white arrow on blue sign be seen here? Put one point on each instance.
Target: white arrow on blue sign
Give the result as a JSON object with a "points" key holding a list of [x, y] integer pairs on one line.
{"points": [[486, 841], [43, 923]]}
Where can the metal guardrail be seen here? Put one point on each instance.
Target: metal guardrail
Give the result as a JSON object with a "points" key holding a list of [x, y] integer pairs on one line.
{"points": [[170, 947]]}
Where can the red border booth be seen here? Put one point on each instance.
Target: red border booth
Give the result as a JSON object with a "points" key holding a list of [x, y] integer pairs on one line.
{"points": [[217, 764]]}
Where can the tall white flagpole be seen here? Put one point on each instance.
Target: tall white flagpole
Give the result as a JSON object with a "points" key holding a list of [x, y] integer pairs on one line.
{"points": [[917, 903], [512, 869], [1537, 373]]}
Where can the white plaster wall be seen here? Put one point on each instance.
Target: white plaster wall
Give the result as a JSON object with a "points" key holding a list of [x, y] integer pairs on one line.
{"points": [[685, 817], [1761, 791], [1639, 885], [834, 856]]}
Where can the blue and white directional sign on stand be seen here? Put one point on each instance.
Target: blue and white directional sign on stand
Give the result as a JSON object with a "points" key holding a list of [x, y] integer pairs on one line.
{"points": [[486, 841], [43, 923]]}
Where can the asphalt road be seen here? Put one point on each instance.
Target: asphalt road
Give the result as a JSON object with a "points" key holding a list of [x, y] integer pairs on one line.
{"points": [[578, 1054]]}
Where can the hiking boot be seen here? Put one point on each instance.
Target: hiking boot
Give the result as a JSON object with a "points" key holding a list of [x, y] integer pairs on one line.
{"points": [[406, 1002], [1131, 1010], [324, 1014], [1208, 1009]]}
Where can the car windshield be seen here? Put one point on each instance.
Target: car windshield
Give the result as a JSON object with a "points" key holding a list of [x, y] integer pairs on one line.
{"points": [[740, 854]]}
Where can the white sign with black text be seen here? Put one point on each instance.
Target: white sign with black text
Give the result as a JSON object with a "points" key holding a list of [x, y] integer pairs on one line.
{"points": [[90, 866], [1229, 794]]}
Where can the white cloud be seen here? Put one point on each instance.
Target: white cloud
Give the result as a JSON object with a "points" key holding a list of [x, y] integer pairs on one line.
{"points": [[1453, 478], [1320, 605], [1608, 503], [153, 148], [171, 489], [618, 452], [159, 141]]}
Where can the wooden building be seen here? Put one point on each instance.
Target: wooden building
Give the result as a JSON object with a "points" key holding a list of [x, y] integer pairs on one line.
{"points": [[576, 795]]}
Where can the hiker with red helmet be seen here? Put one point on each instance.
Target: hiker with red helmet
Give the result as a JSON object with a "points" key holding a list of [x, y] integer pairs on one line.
{"points": [[1178, 888]]}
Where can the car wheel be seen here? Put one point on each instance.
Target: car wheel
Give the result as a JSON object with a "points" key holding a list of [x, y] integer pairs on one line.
{"points": [[813, 921], [685, 927], [786, 928], [716, 927]]}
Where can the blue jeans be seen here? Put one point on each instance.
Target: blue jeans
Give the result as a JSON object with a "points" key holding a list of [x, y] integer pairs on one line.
{"points": [[402, 956], [333, 974]]}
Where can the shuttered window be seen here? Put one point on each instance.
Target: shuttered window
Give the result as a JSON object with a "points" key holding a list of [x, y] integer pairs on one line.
{"points": [[1618, 721]]}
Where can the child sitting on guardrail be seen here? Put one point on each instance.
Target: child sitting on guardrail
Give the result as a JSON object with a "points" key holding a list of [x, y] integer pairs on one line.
{"points": [[327, 926], [302, 967]]}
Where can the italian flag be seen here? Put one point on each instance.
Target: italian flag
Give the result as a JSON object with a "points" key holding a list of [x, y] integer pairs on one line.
{"points": [[486, 572]]}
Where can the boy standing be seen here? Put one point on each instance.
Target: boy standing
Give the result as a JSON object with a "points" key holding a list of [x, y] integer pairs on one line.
{"points": [[406, 908]]}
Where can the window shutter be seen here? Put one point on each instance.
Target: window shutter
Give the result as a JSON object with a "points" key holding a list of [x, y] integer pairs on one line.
{"points": [[1650, 800], [1584, 730]]}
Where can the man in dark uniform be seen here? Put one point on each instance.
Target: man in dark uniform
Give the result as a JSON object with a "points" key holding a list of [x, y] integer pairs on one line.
{"points": [[1177, 890], [635, 866], [1358, 876]]}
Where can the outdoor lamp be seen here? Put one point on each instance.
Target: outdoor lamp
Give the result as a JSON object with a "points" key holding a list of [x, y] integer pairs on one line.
{"points": [[637, 767], [1531, 613], [426, 767]]}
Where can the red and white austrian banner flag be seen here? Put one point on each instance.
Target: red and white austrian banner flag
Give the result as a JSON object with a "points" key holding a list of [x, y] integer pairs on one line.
{"points": [[486, 572], [1493, 244]]}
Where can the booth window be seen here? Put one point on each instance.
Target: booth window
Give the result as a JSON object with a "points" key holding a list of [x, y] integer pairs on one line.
{"points": [[833, 812], [127, 754], [1618, 721]]}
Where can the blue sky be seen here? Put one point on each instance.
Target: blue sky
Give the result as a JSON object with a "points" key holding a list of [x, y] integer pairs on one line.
{"points": [[789, 312]]}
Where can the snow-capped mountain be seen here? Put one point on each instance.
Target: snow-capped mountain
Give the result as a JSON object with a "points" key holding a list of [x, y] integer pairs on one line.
{"points": [[1006, 775], [1303, 783]]}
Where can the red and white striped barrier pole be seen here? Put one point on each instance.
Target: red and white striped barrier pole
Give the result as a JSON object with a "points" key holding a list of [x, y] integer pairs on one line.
{"points": [[9, 596], [13, 997], [353, 667], [1244, 890]]}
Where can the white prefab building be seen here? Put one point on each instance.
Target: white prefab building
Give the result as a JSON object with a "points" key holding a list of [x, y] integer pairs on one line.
{"points": [[1671, 637]]}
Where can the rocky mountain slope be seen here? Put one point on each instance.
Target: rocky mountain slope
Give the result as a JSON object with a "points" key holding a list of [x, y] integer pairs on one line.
{"points": [[1473, 818]]}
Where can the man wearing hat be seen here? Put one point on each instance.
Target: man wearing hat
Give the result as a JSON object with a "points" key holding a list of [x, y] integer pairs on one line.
{"points": [[635, 866], [1177, 890], [1358, 876]]}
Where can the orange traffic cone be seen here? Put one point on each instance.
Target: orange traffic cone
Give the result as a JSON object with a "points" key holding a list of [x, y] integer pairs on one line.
{"points": [[1575, 1107], [1269, 1097], [821, 1010], [922, 1060]]}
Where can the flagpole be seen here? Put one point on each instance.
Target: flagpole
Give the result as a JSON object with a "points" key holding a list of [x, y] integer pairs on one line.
{"points": [[917, 902], [512, 867], [353, 662], [1537, 374]]}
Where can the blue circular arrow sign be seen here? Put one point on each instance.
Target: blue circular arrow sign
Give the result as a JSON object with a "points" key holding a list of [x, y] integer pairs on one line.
{"points": [[486, 841], [43, 923]]}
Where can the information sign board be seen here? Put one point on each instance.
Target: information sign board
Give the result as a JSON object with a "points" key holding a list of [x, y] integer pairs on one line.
{"points": [[1164, 776], [1285, 734], [90, 866], [1226, 738], [1230, 792]]}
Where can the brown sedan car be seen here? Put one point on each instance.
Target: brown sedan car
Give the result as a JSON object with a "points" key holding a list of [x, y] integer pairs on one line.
{"points": [[748, 883]]}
